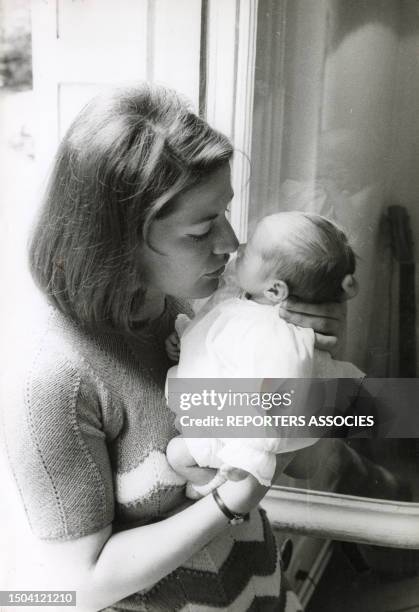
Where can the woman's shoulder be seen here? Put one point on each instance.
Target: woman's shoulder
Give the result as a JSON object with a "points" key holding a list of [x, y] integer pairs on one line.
{"points": [[55, 347], [52, 367], [54, 427]]}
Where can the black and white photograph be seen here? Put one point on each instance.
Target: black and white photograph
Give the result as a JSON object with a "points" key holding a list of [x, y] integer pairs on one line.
{"points": [[209, 229]]}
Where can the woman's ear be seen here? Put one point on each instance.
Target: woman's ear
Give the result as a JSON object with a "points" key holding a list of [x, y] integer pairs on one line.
{"points": [[350, 286], [277, 292]]}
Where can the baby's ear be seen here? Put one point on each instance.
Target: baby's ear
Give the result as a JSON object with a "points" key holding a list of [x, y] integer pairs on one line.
{"points": [[277, 292], [350, 286]]}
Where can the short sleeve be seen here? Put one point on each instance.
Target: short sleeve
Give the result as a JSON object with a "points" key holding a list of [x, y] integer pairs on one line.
{"points": [[266, 347], [58, 454]]}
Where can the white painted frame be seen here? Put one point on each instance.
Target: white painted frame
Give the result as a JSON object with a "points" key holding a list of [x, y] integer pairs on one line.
{"points": [[232, 30]]}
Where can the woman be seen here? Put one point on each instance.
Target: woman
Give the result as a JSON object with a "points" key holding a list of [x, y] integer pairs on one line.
{"points": [[134, 223]]}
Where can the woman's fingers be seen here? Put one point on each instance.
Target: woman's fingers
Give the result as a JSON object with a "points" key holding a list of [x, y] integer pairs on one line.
{"points": [[331, 310], [321, 325], [325, 343], [328, 321], [201, 475], [335, 345]]}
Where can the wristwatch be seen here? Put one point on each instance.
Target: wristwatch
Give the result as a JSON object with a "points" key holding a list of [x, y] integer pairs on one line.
{"points": [[234, 518]]}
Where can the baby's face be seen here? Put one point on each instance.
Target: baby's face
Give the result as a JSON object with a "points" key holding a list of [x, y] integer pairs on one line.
{"points": [[250, 266]]}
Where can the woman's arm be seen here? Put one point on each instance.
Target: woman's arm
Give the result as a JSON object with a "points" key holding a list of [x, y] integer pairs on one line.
{"points": [[104, 567], [60, 461]]}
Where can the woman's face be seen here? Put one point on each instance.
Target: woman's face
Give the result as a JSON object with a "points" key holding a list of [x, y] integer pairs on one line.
{"points": [[188, 249]]}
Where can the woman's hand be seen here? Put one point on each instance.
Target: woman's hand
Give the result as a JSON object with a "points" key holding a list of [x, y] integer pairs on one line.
{"points": [[327, 320], [244, 495], [240, 496]]}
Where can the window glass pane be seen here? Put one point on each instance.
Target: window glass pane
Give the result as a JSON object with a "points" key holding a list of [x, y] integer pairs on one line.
{"points": [[330, 135]]}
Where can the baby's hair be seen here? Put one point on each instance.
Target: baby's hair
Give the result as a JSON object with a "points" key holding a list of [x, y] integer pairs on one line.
{"points": [[307, 251], [125, 158]]}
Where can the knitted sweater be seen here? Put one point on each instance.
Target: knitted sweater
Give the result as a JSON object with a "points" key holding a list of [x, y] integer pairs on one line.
{"points": [[87, 428]]}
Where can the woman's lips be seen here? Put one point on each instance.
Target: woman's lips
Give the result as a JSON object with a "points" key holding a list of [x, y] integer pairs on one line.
{"points": [[216, 273]]}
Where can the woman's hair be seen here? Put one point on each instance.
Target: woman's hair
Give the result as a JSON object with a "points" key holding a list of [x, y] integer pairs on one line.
{"points": [[307, 251], [126, 156]]}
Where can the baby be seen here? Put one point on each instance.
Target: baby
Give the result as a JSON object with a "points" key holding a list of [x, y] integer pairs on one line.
{"points": [[296, 254]]}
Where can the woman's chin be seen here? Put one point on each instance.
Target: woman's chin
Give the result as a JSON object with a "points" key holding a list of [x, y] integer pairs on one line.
{"points": [[206, 288], [203, 289]]}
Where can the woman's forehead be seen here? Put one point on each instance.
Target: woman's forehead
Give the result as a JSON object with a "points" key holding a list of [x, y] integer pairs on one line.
{"points": [[204, 200]]}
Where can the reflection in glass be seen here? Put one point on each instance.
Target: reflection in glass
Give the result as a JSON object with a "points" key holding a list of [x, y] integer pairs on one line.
{"points": [[335, 107]]}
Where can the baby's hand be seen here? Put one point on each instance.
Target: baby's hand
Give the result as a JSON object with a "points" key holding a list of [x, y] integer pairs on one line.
{"points": [[172, 345]]}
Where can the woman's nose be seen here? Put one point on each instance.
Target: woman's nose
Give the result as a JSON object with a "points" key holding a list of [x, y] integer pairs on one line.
{"points": [[226, 240]]}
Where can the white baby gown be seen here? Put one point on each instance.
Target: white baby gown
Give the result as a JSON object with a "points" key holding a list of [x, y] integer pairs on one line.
{"points": [[240, 338]]}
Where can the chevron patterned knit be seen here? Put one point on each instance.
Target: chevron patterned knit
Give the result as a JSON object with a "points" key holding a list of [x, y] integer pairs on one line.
{"points": [[86, 437]]}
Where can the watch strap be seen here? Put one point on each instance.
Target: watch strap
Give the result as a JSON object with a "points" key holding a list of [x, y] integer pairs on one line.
{"points": [[235, 518]]}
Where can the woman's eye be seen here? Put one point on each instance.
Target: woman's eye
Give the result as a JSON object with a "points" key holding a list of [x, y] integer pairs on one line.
{"points": [[199, 237]]}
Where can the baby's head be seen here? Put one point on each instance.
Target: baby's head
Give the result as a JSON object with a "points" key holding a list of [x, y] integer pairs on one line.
{"points": [[299, 254]]}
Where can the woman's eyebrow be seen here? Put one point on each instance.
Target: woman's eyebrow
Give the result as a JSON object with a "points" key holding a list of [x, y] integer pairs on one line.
{"points": [[204, 219], [215, 215]]}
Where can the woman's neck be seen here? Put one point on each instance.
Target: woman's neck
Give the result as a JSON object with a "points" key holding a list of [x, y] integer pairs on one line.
{"points": [[153, 307]]}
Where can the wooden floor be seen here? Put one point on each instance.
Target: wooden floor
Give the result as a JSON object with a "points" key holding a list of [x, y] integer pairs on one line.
{"points": [[344, 589]]}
